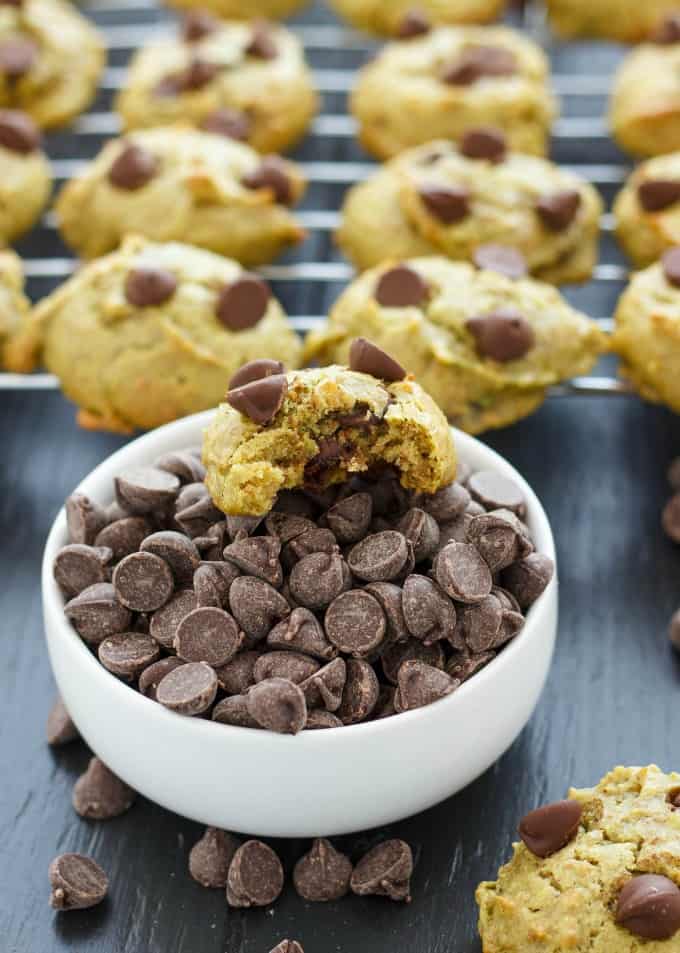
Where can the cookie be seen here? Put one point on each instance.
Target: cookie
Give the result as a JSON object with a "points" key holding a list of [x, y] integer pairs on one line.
{"points": [[404, 18], [51, 59], [483, 345], [245, 80], [25, 177], [179, 184], [14, 305], [450, 80], [625, 20], [647, 209], [647, 331], [316, 427], [585, 876], [246, 9], [152, 332], [437, 200]]}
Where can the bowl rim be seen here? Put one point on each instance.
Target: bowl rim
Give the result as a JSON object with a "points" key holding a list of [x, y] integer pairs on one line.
{"points": [[56, 621]]}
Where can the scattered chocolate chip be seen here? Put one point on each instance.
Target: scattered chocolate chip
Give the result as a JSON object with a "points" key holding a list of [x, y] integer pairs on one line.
{"points": [[502, 259], [99, 794], [447, 205], [256, 606], [241, 305], [484, 143], [673, 798], [550, 828], [197, 24], [463, 667], [143, 582], [164, 621], [255, 371], [528, 578], [133, 168], [142, 490], [414, 23], [428, 614], [398, 287], [360, 695], [355, 623], [152, 676], [262, 44], [668, 30], [207, 635], [500, 538], [255, 876], [96, 612], [77, 566], [178, 551], [228, 122], [189, 689], [261, 400], [257, 556], [197, 514], [211, 857], [272, 174], [670, 262], [557, 210], [480, 624], [123, 536], [234, 711], [420, 684], [84, 519], [17, 57], [212, 582], [292, 666], [504, 335], [381, 557], [198, 74], [301, 632], [462, 573], [480, 62], [128, 653], [385, 871], [422, 531], [77, 882], [649, 906], [318, 578], [496, 492], [319, 718], [149, 287], [323, 873], [184, 465], [390, 598], [60, 728], [278, 704], [324, 688], [350, 518], [18, 132], [448, 503], [238, 675]]}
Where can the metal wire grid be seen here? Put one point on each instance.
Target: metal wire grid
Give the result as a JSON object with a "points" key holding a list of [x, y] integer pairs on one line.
{"points": [[310, 278]]}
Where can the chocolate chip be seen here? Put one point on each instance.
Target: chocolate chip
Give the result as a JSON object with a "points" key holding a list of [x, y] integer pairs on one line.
{"points": [[261, 400], [18, 132], [272, 174], [255, 371], [478, 62], [241, 305], [496, 492], [422, 531], [197, 514], [256, 605], [558, 209], [288, 946], [287, 526], [234, 711], [185, 466], [480, 624], [149, 287], [123, 536], [189, 689], [502, 259], [319, 718], [380, 557], [207, 635], [484, 143], [152, 676], [499, 538], [77, 882], [528, 578], [385, 707], [211, 857], [255, 876], [323, 873], [17, 57], [550, 828], [212, 582], [399, 287], [360, 694], [395, 655], [649, 906], [77, 566], [301, 632], [355, 623], [668, 30], [413, 23], [324, 688], [164, 622], [178, 551], [197, 75], [429, 614], [318, 540], [197, 24], [448, 503], [390, 598], [318, 578], [385, 871], [278, 704], [350, 518], [462, 573], [128, 653], [448, 205], [84, 519], [228, 122], [463, 667], [60, 728], [670, 262], [293, 666], [673, 798], [142, 490], [133, 168], [261, 44], [99, 794], [420, 684], [96, 612], [143, 582], [238, 675], [257, 556]]}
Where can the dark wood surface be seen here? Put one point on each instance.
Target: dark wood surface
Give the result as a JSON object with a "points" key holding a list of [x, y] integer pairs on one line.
{"points": [[598, 465]]}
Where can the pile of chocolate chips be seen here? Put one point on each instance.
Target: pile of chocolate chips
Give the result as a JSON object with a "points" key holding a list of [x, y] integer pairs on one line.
{"points": [[355, 603]]}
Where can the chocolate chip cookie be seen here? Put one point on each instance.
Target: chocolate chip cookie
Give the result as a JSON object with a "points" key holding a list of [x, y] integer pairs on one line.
{"points": [[485, 346], [647, 209], [152, 332], [244, 80], [51, 59], [14, 305], [597, 872], [405, 19], [452, 79], [623, 20], [25, 177], [179, 184], [449, 200]]}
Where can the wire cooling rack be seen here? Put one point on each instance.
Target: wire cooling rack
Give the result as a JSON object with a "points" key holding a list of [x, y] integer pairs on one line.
{"points": [[309, 279]]}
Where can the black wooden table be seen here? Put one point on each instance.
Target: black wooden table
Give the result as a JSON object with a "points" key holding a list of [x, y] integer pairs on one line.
{"points": [[597, 463]]}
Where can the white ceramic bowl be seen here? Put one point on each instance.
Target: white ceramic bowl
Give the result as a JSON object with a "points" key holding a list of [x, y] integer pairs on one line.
{"points": [[319, 782]]}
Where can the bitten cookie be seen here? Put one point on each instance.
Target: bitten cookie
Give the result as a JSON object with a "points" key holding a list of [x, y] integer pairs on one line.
{"points": [[484, 345], [245, 80], [598, 873], [449, 80], [647, 209], [152, 332], [246, 9], [316, 427], [625, 20], [179, 184], [14, 305], [25, 177], [51, 59], [644, 112], [647, 335], [406, 18], [439, 199]]}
